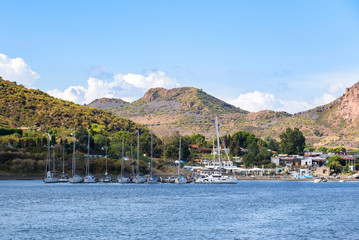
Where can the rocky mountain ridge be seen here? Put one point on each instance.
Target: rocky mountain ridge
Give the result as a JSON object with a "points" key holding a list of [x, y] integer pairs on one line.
{"points": [[191, 110]]}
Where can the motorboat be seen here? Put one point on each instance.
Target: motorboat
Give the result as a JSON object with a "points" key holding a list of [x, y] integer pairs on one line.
{"points": [[216, 179]]}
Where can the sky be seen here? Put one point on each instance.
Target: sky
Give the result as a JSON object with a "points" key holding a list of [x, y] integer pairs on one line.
{"points": [[257, 55]]}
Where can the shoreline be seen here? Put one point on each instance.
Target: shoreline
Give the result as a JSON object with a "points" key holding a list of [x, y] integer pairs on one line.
{"points": [[257, 178]]}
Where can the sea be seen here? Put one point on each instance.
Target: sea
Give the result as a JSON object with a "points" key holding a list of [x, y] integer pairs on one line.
{"points": [[248, 210]]}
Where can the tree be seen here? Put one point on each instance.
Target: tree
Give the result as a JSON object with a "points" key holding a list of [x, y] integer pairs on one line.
{"points": [[273, 145], [336, 163], [292, 142]]}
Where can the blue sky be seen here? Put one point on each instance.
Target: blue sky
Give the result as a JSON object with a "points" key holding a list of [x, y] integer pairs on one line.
{"points": [[278, 55]]}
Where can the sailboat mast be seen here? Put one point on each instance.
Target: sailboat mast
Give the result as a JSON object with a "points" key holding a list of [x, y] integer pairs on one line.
{"points": [[53, 159], [106, 153], [63, 157], [213, 152], [151, 156], [219, 147], [123, 154], [73, 155], [132, 166], [48, 157], [179, 156], [88, 154], [138, 152]]}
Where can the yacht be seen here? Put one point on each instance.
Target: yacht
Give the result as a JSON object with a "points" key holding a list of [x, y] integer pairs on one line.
{"points": [[180, 179], [89, 178], [106, 178], [75, 177], [217, 178], [122, 178], [49, 176], [63, 177], [139, 178], [151, 179]]}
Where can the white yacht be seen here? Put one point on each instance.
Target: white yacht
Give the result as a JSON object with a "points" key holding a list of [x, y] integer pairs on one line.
{"points": [[75, 177], [89, 178], [63, 177], [139, 178], [49, 176], [217, 178], [106, 178], [122, 178], [180, 179], [151, 179]]}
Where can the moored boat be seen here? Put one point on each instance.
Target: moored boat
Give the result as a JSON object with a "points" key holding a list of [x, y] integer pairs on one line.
{"points": [[75, 177], [217, 178]]}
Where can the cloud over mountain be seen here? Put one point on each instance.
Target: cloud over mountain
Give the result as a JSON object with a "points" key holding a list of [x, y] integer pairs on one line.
{"points": [[15, 69], [128, 87]]}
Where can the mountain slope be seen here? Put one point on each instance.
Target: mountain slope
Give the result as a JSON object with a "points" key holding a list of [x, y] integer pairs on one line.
{"points": [[108, 103], [20, 106], [191, 110]]}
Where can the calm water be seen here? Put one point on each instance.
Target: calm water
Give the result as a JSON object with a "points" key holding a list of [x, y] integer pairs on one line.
{"points": [[248, 210]]}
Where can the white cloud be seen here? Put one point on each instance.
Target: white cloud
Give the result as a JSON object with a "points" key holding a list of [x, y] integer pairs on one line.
{"points": [[258, 101], [128, 87], [15, 69], [153, 79]]}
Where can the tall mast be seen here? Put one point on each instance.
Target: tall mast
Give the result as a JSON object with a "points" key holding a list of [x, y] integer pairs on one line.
{"points": [[106, 154], [63, 157], [48, 155], [88, 154], [219, 147], [213, 152], [132, 166], [138, 152], [123, 155], [73, 155], [179, 156], [53, 159], [151, 156]]}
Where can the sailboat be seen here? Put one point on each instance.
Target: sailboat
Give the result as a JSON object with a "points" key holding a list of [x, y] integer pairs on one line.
{"points": [[75, 177], [217, 178], [139, 177], [180, 179], [63, 177], [49, 176], [122, 178], [106, 178], [151, 179], [88, 178]]}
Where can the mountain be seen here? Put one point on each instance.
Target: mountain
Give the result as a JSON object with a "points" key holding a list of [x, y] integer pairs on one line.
{"points": [[191, 110], [185, 109], [24, 107], [108, 103]]}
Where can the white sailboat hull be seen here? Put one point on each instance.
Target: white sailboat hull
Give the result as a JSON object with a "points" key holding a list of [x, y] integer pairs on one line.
{"points": [[76, 179], [180, 180], [124, 180], [89, 179], [63, 180], [51, 180], [152, 180], [139, 179]]}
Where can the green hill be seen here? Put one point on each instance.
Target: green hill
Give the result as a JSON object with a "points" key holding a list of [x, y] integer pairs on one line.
{"points": [[24, 107]]}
